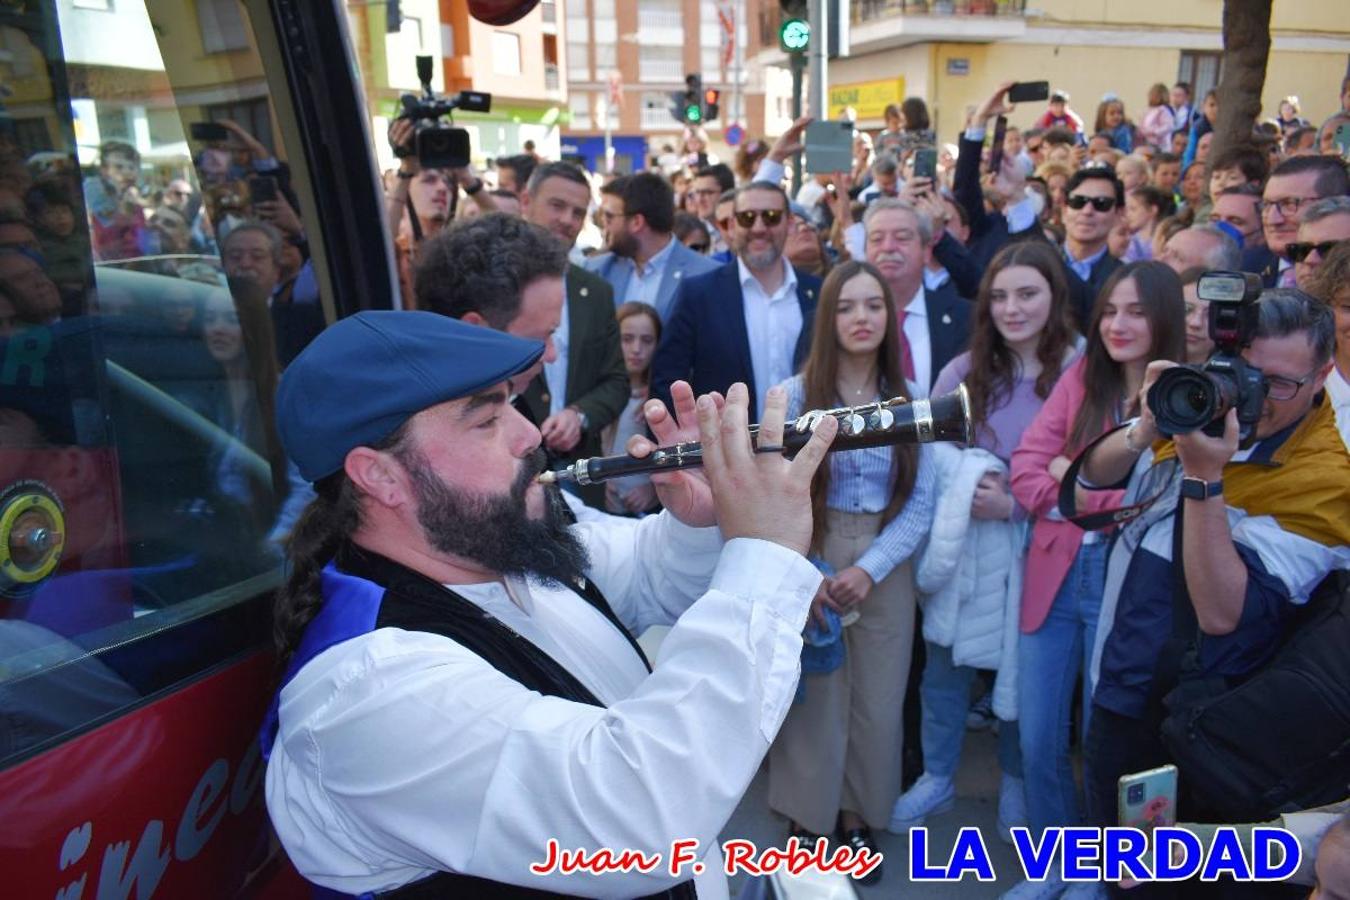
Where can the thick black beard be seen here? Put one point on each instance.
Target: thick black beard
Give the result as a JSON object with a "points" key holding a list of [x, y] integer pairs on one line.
{"points": [[625, 246], [496, 532]]}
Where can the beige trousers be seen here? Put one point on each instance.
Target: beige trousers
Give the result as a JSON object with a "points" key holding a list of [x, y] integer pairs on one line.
{"points": [[840, 747]]}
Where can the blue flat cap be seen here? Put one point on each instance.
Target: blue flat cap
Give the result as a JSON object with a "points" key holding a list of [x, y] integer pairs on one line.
{"points": [[366, 375]]}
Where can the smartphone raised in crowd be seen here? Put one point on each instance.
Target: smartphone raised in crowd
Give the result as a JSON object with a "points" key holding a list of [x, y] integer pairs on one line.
{"points": [[1027, 91], [829, 148], [996, 149], [925, 162], [1148, 800], [208, 131], [262, 188]]}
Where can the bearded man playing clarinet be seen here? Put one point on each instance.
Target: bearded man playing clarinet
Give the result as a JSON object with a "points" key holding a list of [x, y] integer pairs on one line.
{"points": [[461, 686]]}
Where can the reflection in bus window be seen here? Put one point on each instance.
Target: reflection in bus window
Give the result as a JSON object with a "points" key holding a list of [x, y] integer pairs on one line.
{"points": [[154, 279]]}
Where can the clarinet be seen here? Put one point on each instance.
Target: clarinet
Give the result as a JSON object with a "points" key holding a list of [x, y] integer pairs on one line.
{"points": [[881, 423]]}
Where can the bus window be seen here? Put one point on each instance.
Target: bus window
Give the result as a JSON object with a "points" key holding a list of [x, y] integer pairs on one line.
{"points": [[155, 279]]}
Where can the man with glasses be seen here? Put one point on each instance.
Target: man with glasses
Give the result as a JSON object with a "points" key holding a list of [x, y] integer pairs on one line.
{"points": [[1325, 224], [934, 324], [747, 321], [709, 183], [1294, 186], [1261, 527], [1096, 199], [645, 262]]}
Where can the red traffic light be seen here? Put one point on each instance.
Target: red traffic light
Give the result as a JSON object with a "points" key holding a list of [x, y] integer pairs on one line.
{"points": [[711, 96]]}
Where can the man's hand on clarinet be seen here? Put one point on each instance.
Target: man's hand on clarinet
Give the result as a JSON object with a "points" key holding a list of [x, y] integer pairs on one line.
{"points": [[760, 495], [684, 492]]}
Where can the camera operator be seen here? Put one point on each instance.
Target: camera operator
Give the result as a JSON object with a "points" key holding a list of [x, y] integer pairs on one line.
{"points": [[428, 197], [1260, 527]]}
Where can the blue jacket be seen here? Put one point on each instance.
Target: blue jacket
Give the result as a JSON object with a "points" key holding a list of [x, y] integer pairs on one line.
{"points": [[683, 263], [705, 342]]}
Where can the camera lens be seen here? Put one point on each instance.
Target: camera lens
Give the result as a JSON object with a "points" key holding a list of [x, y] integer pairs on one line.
{"points": [[1183, 400]]}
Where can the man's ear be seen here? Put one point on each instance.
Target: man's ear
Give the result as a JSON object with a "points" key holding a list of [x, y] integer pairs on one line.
{"points": [[475, 318], [1320, 377], [379, 476]]}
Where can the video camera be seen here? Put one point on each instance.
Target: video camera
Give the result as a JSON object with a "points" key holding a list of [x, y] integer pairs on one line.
{"points": [[439, 146], [1190, 397]]}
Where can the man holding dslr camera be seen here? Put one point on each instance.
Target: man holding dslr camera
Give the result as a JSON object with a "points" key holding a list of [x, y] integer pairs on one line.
{"points": [[1257, 527]]}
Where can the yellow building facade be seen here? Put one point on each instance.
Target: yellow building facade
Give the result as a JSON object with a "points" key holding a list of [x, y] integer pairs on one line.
{"points": [[954, 54]]}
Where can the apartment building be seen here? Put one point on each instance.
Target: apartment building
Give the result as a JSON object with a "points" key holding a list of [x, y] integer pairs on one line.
{"points": [[637, 52]]}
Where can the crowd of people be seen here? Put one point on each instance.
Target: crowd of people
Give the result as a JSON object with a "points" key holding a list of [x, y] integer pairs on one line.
{"points": [[1056, 288]]}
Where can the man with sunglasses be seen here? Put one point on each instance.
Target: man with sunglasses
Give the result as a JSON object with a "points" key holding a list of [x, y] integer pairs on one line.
{"points": [[1325, 224], [1261, 526], [1096, 199], [644, 261], [1294, 186], [749, 320]]}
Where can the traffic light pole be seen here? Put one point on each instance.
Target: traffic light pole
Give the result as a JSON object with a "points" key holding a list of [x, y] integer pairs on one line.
{"points": [[797, 61], [820, 43]]}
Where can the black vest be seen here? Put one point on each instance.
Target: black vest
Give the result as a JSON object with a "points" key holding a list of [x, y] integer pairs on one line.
{"points": [[414, 602]]}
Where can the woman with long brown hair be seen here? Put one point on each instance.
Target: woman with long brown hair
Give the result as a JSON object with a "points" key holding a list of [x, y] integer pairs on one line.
{"points": [[1139, 316], [837, 756], [639, 333], [1022, 338]]}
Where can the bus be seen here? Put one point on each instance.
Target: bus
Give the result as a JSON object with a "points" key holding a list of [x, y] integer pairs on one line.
{"points": [[188, 194]]}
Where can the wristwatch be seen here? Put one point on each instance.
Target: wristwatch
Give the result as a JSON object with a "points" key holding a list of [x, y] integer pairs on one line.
{"points": [[1199, 489], [585, 420]]}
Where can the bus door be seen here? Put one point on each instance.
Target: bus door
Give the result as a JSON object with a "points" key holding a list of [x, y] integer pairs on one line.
{"points": [[186, 199]]}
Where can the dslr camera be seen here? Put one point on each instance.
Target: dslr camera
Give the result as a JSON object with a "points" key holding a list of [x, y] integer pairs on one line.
{"points": [[1190, 397], [439, 146]]}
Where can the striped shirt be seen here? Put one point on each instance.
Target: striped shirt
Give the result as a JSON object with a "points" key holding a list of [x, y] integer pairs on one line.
{"points": [[860, 482]]}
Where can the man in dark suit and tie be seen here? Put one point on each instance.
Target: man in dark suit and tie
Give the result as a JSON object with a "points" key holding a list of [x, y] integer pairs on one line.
{"points": [[1295, 185], [749, 320], [586, 387], [1095, 203], [934, 325], [644, 262]]}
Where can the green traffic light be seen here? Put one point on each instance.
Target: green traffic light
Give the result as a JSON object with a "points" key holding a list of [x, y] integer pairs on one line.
{"points": [[795, 35], [693, 113]]}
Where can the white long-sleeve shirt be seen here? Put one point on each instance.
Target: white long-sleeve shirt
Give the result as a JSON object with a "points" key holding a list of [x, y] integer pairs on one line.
{"points": [[402, 753]]}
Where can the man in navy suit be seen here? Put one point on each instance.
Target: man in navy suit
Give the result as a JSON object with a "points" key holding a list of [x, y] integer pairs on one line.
{"points": [[935, 324], [645, 262], [749, 320]]}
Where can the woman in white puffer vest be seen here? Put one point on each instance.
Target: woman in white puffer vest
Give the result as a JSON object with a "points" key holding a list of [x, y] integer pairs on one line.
{"points": [[970, 573]]}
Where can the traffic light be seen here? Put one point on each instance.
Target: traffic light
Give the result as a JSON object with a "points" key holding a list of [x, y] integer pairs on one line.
{"points": [[711, 96], [795, 35], [687, 105]]}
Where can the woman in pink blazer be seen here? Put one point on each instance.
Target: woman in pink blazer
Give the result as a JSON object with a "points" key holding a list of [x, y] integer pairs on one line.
{"points": [[1138, 317]]}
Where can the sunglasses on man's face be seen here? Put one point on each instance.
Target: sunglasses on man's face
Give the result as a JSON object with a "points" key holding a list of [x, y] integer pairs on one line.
{"points": [[1100, 204], [1300, 251], [746, 217]]}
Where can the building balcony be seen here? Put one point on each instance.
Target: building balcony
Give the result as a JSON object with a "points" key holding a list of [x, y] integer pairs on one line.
{"points": [[552, 78], [878, 24]]}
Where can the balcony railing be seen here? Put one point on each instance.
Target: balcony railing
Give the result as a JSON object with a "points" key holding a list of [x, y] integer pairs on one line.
{"points": [[872, 10], [552, 81], [549, 9]]}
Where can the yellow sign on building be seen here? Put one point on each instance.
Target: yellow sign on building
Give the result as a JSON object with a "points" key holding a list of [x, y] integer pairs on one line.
{"points": [[868, 98]]}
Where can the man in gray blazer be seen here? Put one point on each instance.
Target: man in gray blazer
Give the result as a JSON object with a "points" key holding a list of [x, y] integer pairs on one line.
{"points": [[644, 261]]}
